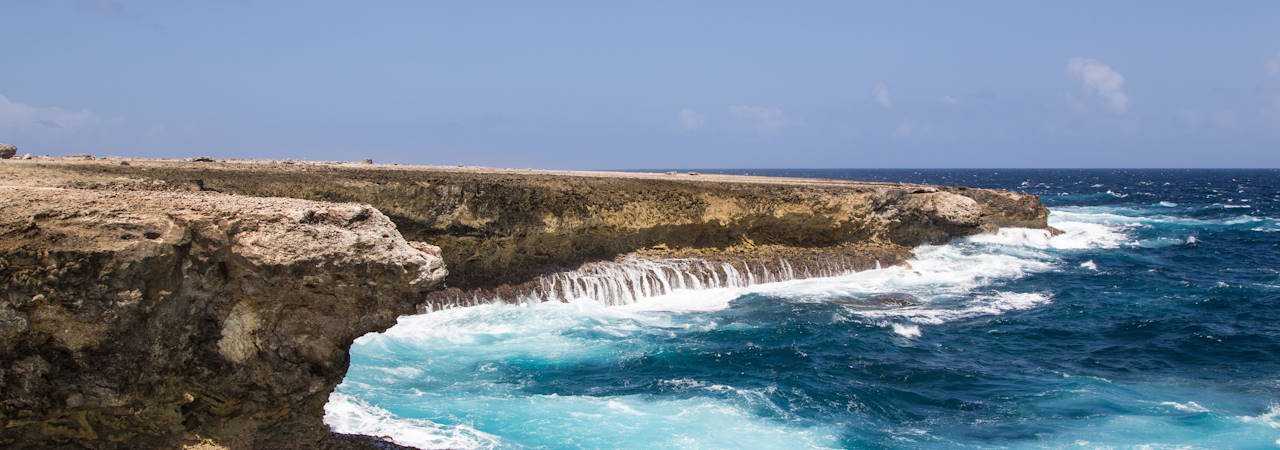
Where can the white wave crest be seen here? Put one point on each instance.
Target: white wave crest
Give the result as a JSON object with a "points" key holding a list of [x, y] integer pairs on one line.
{"points": [[907, 331], [1186, 407], [347, 414], [1270, 417], [983, 305], [1074, 235]]}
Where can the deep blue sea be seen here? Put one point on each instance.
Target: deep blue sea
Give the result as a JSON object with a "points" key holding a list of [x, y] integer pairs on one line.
{"points": [[1152, 321]]}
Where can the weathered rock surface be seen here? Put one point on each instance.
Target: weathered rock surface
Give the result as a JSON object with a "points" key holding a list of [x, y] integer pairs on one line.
{"points": [[135, 319]]}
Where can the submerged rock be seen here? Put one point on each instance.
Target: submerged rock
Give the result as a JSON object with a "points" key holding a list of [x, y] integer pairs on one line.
{"points": [[886, 300]]}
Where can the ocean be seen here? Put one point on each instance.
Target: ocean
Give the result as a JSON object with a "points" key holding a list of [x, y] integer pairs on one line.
{"points": [[1152, 320]]}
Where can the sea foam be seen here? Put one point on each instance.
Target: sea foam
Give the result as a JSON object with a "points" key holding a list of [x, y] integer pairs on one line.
{"points": [[349, 415]]}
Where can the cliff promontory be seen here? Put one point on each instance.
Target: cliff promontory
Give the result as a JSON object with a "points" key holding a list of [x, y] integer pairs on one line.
{"points": [[163, 303]]}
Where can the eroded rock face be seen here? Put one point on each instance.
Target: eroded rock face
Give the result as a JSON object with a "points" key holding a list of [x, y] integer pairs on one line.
{"points": [[135, 319]]}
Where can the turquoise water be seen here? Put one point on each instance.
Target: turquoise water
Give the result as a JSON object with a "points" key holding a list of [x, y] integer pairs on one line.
{"points": [[1152, 321]]}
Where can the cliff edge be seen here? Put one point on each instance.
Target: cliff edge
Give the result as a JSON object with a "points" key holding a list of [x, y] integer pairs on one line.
{"points": [[502, 231]]}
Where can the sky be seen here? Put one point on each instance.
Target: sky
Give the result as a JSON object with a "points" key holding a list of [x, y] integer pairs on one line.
{"points": [[649, 84]]}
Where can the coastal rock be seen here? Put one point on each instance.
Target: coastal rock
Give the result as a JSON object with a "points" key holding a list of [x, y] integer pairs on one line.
{"points": [[134, 319], [930, 217], [164, 303], [1006, 209], [500, 227], [947, 208], [8, 151]]}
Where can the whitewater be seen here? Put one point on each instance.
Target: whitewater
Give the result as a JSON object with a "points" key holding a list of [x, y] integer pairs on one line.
{"points": [[1145, 321]]}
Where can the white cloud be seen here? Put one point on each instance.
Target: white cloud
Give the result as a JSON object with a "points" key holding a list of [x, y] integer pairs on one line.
{"points": [[880, 94], [949, 100], [689, 120], [16, 116], [1101, 81], [1273, 65], [761, 120], [905, 128]]}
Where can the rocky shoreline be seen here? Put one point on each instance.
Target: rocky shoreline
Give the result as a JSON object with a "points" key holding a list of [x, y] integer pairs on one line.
{"points": [[154, 303]]}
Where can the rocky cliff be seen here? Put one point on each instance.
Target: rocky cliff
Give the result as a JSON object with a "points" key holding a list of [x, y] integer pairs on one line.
{"points": [[501, 228], [135, 319], [150, 303]]}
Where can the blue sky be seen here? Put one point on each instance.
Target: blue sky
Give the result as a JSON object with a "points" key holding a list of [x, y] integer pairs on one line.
{"points": [[649, 84]]}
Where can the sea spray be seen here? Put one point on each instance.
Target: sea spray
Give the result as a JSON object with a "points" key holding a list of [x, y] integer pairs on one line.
{"points": [[634, 278]]}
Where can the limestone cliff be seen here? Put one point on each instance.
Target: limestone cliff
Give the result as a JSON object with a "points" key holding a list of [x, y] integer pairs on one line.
{"points": [[135, 319], [508, 227]]}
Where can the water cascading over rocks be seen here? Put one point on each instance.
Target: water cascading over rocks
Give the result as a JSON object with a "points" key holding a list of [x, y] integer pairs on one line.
{"points": [[635, 277]]}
